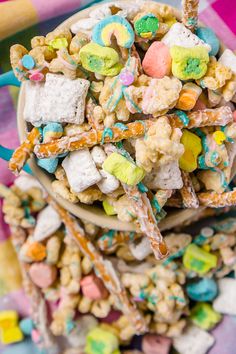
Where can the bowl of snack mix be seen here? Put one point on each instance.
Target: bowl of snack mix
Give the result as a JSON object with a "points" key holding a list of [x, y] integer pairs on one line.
{"points": [[127, 108]]}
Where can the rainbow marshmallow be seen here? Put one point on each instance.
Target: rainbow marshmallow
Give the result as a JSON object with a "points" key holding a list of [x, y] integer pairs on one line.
{"points": [[113, 25]]}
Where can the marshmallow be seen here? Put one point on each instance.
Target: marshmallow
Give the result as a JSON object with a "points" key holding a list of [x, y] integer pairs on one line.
{"points": [[203, 316], [108, 184], [179, 35], [42, 274], [59, 99], [81, 170], [155, 344], [194, 340], [98, 155], [48, 221], [225, 301], [93, 288], [228, 59]]}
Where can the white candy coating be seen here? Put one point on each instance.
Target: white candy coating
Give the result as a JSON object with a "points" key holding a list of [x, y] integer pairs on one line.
{"points": [[228, 59], [98, 155], [225, 302], [48, 221], [108, 184], [141, 250]]}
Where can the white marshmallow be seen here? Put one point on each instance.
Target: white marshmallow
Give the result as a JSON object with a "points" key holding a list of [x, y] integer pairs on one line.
{"points": [[228, 59], [194, 340], [81, 170], [59, 99], [108, 184], [141, 250], [98, 155], [48, 221], [225, 301], [84, 25], [167, 176], [182, 36], [25, 182]]}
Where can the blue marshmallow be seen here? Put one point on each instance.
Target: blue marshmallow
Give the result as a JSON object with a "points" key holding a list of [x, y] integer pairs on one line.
{"points": [[28, 62], [52, 131], [202, 290], [209, 37], [50, 165], [26, 325]]}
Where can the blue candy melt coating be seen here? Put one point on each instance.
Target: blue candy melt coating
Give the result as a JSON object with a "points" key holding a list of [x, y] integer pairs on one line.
{"points": [[50, 165], [209, 37], [26, 325], [97, 30], [202, 290], [28, 62]]}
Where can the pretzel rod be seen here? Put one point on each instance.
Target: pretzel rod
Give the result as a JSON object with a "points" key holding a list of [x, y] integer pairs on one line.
{"points": [[113, 238], [23, 152], [162, 196], [207, 117], [146, 220], [190, 14], [103, 267], [217, 200], [38, 307], [187, 192]]}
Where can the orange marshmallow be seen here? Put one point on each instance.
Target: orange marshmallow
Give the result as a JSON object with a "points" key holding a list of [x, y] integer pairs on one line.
{"points": [[188, 96], [157, 60], [36, 251], [93, 288]]}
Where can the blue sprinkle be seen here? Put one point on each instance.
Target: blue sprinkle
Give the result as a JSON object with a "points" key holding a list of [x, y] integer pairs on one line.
{"points": [[28, 62], [142, 188], [155, 204], [70, 325], [121, 126], [106, 132], [183, 117]]}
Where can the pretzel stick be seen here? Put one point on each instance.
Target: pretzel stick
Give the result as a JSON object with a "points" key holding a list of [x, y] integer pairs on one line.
{"points": [[37, 303], [190, 14], [103, 267], [110, 240], [146, 220], [207, 117], [23, 152], [187, 192], [217, 200]]}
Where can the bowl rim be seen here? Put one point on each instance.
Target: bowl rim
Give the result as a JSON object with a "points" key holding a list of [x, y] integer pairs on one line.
{"points": [[93, 213]]}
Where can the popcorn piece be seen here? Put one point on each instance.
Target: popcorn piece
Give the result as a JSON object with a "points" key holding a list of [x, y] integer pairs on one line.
{"points": [[167, 176], [123, 169], [216, 76], [58, 100], [160, 146], [90, 195], [80, 170], [48, 221], [225, 301], [179, 35], [108, 184], [228, 59], [194, 340]]}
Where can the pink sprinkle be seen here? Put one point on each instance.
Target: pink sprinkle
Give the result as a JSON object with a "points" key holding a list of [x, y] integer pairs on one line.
{"points": [[36, 76], [126, 78], [35, 335]]}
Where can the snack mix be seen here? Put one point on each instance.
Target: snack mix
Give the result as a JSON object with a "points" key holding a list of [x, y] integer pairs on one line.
{"points": [[131, 109]]}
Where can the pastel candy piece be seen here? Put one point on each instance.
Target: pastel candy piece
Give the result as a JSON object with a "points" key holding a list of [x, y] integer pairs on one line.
{"points": [[193, 340], [36, 75], [58, 43], [99, 340], [198, 260], [228, 59], [157, 60], [11, 335], [48, 221], [52, 131], [36, 251], [93, 288], [179, 35], [28, 61], [48, 164], [192, 148], [225, 301], [108, 208], [35, 336], [26, 325], [42, 274], [204, 289], [146, 26], [203, 316], [113, 25], [123, 169], [8, 318], [189, 63], [219, 137], [209, 37], [126, 77], [188, 96], [155, 344], [100, 60]]}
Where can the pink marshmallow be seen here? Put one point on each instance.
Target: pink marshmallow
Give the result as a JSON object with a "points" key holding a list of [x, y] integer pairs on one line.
{"points": [[42, 274], [93, 288], [200, 105], [35, 336], [157, 60], [155, 344]]}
